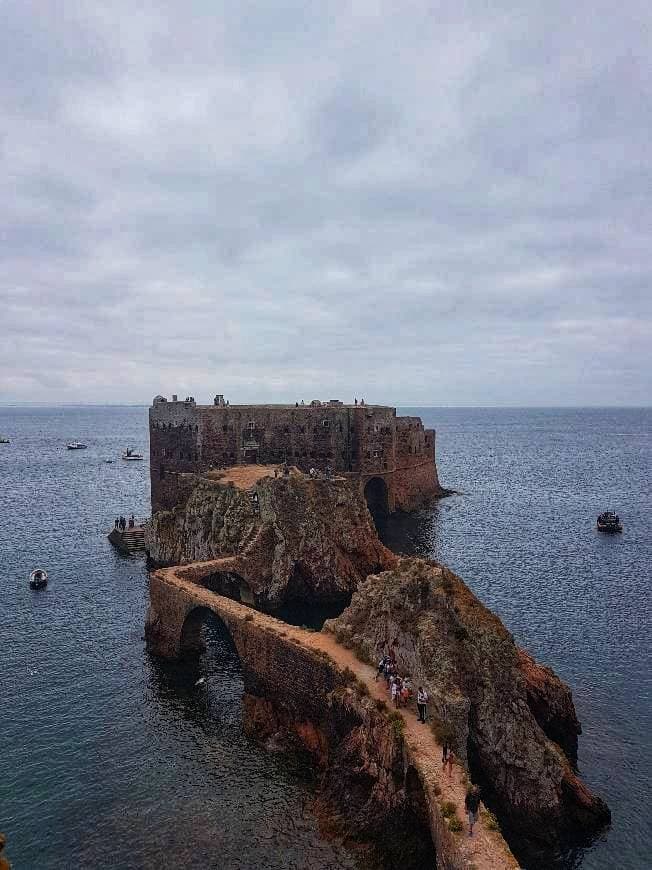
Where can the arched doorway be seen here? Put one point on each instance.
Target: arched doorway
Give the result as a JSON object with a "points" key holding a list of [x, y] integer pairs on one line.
{"points": [[375, 493]]}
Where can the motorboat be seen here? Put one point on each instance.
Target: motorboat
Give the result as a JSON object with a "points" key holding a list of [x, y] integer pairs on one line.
{"points": [[76, 445], [4, 440], [38, 579], [609, 522], [132, 456], [109, 461]]}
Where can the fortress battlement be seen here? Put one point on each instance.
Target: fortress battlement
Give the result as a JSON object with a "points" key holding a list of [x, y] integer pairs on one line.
{"points": [[391, 457]]}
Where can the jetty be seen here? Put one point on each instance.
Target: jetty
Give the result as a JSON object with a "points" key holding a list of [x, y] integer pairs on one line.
{"points": [[131, 541]]}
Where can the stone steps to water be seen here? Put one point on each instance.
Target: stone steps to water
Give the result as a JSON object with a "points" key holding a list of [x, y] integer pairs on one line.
{"points": [[129, 541]]}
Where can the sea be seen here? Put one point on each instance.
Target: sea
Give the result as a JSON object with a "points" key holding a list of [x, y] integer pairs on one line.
{"points": [[112, 758]]}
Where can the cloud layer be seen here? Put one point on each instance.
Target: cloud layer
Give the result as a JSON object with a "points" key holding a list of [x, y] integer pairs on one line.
{"points": [[419, 203]]}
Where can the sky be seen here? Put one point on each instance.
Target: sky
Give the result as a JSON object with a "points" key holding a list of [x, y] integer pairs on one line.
{"points": [[418, 203]]}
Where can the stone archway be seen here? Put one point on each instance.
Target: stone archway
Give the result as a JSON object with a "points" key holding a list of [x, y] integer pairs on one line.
{"points": [[196, 622], [377, 498]]}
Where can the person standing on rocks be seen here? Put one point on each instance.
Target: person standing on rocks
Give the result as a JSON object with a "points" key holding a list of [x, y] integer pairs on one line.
{"points": [[471, 805], [422, 703], [444, 752]]}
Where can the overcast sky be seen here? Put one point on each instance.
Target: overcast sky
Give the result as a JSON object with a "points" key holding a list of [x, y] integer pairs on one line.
{"points": [[418, 203]]}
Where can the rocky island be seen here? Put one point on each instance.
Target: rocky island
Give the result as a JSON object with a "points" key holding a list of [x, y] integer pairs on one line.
{"points": [[244, 541]]}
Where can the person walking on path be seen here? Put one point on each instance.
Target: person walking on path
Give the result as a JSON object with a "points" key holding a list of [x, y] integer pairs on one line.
{"points": [[116, 523], [449, 762], [471, 805], [422, 703], [444, 753]]}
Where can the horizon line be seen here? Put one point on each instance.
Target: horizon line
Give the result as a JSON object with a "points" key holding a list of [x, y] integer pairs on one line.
{"points": [[397, 405]]}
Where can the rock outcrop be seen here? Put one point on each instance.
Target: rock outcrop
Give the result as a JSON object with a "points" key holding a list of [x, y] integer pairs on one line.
{"points": [[4, 863], [286, 538], [511, 721]]}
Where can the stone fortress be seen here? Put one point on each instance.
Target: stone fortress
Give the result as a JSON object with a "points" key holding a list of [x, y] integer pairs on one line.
{"points": [[392, 457]]}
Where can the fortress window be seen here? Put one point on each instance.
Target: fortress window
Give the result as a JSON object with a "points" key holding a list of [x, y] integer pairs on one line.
{"points": [[325, 424]]}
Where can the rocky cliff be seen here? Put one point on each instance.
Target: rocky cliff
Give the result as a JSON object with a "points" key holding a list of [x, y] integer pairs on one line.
{"points": [[286, 538], [512, 722]]}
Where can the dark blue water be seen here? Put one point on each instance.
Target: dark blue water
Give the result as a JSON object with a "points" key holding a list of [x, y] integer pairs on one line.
{"points": [[108, 758], [522, 535]]}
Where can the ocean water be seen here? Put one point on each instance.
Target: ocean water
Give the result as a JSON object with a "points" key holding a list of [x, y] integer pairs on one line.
{"points": [[109, 758]]}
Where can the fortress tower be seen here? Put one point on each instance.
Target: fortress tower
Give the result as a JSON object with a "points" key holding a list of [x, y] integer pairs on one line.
{"points": [[391, 458]]}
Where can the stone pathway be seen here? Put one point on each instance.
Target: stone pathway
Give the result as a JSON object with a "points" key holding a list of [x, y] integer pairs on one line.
{"points": [[485, 850]]}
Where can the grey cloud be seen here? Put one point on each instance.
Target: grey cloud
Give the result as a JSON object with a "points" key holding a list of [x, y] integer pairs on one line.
{"points": [[412, 203]]}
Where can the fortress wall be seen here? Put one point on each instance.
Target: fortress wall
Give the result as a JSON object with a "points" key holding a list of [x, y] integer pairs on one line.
{"points": [[415, 479], [305, 436], [365, 440]]}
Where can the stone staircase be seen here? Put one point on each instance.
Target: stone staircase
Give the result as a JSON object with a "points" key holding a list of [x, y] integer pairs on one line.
{"points": [[130, 541]]}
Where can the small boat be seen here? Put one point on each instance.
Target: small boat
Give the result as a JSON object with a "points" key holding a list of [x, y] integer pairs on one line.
{"points": [[609, 522], [131, 456], [4, 440], [109, 461], [38, 579], [76, 445]]}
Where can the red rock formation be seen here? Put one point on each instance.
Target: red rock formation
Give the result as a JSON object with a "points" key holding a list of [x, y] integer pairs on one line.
{"points": [[4, 863], [500, 706], [306, 539]]}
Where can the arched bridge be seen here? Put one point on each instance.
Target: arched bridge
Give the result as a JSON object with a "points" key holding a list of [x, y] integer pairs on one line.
{"points": [[331, 699]]}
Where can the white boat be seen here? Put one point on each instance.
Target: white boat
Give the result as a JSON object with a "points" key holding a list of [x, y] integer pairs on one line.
{"points": [[131, 456], [76, 445], [4, 441], [38, 579]]}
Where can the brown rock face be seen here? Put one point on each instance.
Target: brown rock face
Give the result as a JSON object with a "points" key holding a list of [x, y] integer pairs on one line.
{"points": [[368, 790], [308, 540], [512, 719]]}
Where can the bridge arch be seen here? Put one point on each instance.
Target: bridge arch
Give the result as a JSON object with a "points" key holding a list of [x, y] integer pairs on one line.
{"points": [[196, 622]]}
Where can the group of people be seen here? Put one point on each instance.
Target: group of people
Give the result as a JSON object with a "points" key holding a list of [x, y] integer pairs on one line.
{"points": [[400, 689], [121, 523], [327, 473]]}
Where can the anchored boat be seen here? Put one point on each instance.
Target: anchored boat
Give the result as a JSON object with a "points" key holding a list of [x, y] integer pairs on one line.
{"points": [[4, 440], [609, 522], [76, 445], [131, 456], [38, 579]]}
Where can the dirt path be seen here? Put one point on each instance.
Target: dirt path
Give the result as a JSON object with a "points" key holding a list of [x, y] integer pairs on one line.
{"points": [[486, 849]]}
